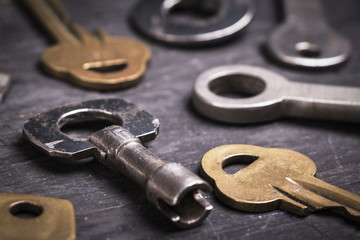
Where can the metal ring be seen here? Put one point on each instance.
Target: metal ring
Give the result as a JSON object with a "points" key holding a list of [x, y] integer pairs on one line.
{"points": [[153, 18], [264, 89]]}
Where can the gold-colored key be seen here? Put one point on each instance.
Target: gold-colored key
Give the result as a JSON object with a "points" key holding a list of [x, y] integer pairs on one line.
{"points": [[35, 217], [95, 61], [276, 178]]}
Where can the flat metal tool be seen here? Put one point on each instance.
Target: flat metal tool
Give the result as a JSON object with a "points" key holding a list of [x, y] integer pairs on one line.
{"points": [[267, 96], [305, 39], [4, 85], [173, 189], [275, 179], [25, 217], [192, 22], [95, 61]]}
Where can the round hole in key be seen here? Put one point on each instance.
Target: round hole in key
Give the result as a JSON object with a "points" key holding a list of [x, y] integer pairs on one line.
{"points": [[307, 49], [26, 210], [237, 86], [235, 163], [81, 123]]}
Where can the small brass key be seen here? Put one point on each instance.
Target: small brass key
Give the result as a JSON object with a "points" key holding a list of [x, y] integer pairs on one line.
{"points": [[276, 178], [172, 188], [25, 217], [95, 61]]}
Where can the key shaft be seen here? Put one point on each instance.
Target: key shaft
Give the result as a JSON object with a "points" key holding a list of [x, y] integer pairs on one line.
{"points": [[172, 188], [303, 12], [320, 101], [53, 19]]}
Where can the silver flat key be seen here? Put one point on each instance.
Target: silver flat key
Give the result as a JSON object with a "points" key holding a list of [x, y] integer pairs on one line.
{"points": [[305, 39], [270, 96], [4, 85], [192, 22], [173, 189]]}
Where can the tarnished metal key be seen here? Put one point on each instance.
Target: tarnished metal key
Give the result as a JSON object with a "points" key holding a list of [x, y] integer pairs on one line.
{"points": [[268, 96], [25, 217], [201, 22], [4, 85], [96, 60], [172, 188], [305, 39], [276, 178]]}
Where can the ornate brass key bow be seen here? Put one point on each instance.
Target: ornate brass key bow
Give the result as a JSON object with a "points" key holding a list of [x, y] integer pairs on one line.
{"points": [[276, 178], [96, 60]]}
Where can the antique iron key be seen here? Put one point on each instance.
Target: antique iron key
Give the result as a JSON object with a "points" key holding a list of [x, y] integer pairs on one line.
{"points": [[4, 85], [95, 61], [305, 39], [275, 178], [26, 217], [172, 188]]}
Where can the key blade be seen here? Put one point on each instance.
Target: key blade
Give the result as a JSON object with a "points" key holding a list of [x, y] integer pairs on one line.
{"points": [[319, 195], [316, 101]]}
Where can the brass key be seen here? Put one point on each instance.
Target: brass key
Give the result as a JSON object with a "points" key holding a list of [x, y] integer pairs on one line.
{"points": [[276, 178], [95, 61], [35, 217]]}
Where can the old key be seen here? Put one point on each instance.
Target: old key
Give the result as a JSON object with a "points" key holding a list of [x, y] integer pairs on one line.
{"points": [[276, 178], [305, 39], [96, 60], [266, 96], [172, 188], [25, 217]]}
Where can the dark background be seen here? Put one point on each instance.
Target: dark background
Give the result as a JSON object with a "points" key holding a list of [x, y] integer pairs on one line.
{"points": [[109, 206]]}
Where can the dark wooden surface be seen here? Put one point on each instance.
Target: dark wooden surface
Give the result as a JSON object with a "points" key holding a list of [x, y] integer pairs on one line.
{"points": [[109, 206]]}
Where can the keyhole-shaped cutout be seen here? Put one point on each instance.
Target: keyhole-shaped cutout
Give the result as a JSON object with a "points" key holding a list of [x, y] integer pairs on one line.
{"points": [[26, 210], [235, 163], [109, 66]]}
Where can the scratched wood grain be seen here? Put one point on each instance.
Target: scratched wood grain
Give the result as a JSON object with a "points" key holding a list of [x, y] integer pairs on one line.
{"points": [[109, 206]]}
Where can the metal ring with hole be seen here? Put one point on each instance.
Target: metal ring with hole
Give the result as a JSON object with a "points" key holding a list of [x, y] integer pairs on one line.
{"points": [[154, 18]]}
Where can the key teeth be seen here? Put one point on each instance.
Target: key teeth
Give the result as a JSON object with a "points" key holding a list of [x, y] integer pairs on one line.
{"points": [[189, 212], [178, 197]]}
